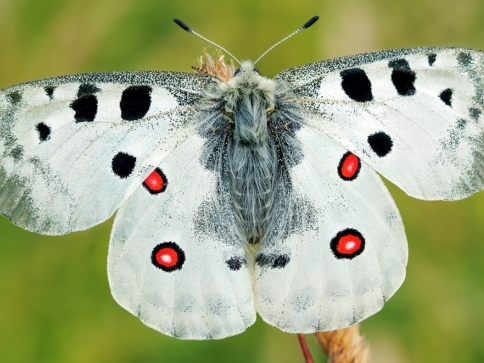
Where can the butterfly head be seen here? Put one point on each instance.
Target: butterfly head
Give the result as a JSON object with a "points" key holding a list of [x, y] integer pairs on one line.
{"points": [[246, 66], [248, 74]]}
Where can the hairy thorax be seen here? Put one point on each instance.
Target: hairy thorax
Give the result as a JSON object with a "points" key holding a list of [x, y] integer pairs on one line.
{"points": [[251, 118]]}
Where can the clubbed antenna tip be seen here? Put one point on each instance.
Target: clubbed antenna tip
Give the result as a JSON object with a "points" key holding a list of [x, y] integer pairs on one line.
{"points": [[182, 25], [301, 28], [309, 22], [185, 27]]}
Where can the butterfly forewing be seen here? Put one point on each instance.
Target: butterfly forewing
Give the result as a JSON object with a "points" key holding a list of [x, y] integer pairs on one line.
{"points": [[412, 114], [74, 148]]}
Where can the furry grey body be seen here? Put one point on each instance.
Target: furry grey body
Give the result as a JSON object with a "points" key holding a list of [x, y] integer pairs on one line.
{"points": [[248, 118]]}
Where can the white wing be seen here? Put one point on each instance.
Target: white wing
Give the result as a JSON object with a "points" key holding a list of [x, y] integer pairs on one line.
{"points": [[74, 148], [414, 115], [339, 251], [176, 259]]}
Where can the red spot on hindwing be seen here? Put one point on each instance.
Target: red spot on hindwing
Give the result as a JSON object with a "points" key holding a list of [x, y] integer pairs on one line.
{"points": [[168, 256], [347, 244], [349, 166], [156, 182]]}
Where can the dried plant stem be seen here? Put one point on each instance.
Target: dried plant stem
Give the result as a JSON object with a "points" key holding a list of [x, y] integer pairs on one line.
{"points": [[344, 346]]}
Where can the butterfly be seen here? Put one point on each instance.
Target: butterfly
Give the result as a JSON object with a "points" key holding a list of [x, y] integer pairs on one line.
{"points": [[239, 195]]}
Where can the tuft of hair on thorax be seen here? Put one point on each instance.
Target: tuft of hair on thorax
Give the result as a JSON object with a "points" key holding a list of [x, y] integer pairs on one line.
{"points": [[215, 66]]}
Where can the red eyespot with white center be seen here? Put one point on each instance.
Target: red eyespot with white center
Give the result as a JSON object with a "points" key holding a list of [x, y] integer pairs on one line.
{"points": [[156, 182], [347, 244], [168, 256], [349, 166]]}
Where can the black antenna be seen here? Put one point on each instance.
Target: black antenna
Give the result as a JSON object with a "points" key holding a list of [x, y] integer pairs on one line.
{"points": [[306, 25], [301, 28], [185, 27]]}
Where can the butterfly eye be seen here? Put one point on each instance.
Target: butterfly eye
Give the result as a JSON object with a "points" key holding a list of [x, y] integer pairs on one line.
{"points": [[237, 71], [256, 71]]}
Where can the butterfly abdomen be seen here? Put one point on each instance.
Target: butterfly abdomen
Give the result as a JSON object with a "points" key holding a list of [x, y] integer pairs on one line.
{"points": [[252, 170]]}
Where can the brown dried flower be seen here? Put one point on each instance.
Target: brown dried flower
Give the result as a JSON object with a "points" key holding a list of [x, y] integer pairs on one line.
{"points": [[344, 345], [215, 67]]}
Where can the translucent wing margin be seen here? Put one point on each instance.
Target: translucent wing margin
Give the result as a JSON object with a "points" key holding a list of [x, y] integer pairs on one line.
{"points": [[414, 115], [74, 148]]}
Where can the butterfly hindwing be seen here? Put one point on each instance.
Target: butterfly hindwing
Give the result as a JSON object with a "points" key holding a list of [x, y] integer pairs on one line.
{"points": [[176, 259], [414, 115], [341, 250], [74, 148]]}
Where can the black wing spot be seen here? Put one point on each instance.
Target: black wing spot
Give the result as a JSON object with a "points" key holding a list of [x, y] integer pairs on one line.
{"points": [[44, 131], [135, 102], [123, 164], [272, 260], [280, 261], [464, 59], [235, 263], [446, 97], [403, 77], [85, 108], [431, 58], [356, 84], [15, 97], [49, 91], [380, 143], [87, 89]]}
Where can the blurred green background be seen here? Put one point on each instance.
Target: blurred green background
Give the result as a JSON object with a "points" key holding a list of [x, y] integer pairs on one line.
{"points": [[55, 303]]}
